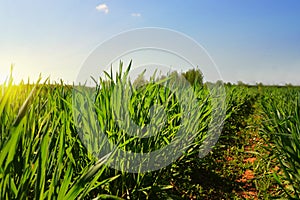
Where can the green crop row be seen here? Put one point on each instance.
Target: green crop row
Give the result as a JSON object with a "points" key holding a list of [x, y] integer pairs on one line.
{"points": [[51, 147], [75, 142], [281, 109]]}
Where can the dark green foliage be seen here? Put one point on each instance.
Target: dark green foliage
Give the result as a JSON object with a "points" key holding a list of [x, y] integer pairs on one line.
{"points": [[194, 77]]}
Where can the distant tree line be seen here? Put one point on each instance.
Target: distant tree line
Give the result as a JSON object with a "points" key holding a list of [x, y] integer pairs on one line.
{"points": [[193, 76]]}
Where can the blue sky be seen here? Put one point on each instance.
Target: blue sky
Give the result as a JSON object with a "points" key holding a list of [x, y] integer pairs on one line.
{"points": [[250, 40]]}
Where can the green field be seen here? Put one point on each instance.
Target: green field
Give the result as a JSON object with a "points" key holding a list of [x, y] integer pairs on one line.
{"points": [[43, 157]]}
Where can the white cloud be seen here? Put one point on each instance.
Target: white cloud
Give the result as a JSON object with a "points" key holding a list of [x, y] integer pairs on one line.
{"points": [[136, 14], [102, 8]]}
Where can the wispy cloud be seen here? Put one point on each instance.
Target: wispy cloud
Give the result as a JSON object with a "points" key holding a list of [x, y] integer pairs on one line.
{"points": [[136, 14], [102, 8]]}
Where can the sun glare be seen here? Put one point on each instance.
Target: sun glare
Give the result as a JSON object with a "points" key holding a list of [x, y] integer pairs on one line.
{"points": [[2, 78]]}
